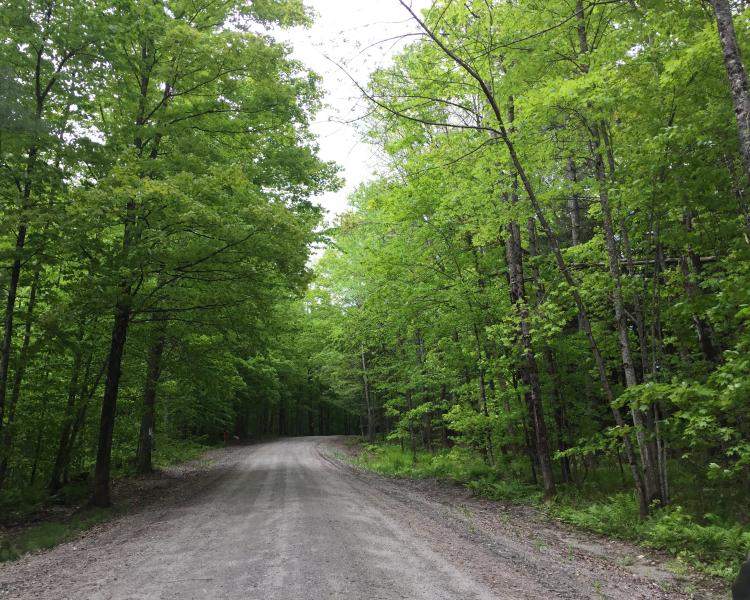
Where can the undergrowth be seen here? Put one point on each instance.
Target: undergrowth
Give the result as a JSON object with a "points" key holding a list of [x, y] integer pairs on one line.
{"points": [[706, 542], [170, 451], [49, 534], [26, 510]]}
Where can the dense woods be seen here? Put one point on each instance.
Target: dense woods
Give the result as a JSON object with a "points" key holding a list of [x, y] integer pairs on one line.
{"points": [[544, 294], [156, 175], [549, 282]]}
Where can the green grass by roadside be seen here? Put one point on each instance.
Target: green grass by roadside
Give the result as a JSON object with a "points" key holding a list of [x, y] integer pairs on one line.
{"points": [[50, 533], [34, 521], [707, 543]]}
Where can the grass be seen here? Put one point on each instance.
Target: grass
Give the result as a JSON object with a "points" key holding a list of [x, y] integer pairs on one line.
{"points": [[457, 465], [710, 544], [715, 548], [49, 534], [171, 452], [19, 506]]}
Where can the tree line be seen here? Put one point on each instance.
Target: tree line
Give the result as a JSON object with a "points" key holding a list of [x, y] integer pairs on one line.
{"points": [[157, 172], [552, 273]]}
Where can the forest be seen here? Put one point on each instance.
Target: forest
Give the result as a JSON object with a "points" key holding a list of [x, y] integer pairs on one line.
{"points": [[156, 173], [544, 294]]}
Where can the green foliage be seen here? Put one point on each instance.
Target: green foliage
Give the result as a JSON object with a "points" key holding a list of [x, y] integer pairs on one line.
{"points": [[505, 490], [392, 461], [160, 165], [169, 451], [616, 515], [49, 534], [548, 281], [388, 459], [550, 275], [715, 547]]}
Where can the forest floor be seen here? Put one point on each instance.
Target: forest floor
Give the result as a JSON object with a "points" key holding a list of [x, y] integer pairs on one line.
{"points": [[292, 519]]}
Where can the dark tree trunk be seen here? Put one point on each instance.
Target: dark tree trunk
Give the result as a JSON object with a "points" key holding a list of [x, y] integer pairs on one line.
{"points": [[643, 425], [10, 308], [23, 359], [37, 452], [62, 455], [490, 452], [574, 205], [529, 370], [657, 479], [123, 306], [148, 421], [560, 414], [412, 435], [78, 431], [41, 426], [549, 356], [368, 400], [554, 243], [691, 267], [101, 492], [15, 269]]}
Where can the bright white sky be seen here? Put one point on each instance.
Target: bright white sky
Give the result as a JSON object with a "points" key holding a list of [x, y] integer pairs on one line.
{"points": [[349, 32]]}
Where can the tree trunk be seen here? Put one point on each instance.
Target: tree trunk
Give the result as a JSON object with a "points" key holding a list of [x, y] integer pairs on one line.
{"points": [[10, 308], [62, 456], [642, 430], [101, 492], [690, 261], [549, 355], [529, 370], [638, 301], [368, 401], [153, 373], [737, 77], [651, 413], [23, 359], [489, 449], [554, 244], [574, 206], [79, 426], [15, 269], [37, 452], [123, 306]]}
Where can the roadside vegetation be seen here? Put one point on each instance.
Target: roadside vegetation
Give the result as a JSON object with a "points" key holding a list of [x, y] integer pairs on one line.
{"points": [[32, 520], [544, 295], [157, 185], [711, 547], [50, 533]]}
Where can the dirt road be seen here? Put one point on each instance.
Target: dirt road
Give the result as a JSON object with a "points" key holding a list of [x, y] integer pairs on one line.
{"points": [[283, 520]]}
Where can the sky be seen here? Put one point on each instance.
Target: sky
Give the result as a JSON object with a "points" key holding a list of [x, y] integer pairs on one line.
{"points": [[352, 34]]}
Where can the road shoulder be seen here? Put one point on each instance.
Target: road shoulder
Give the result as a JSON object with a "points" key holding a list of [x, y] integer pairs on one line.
{"points": [[531, 533]]}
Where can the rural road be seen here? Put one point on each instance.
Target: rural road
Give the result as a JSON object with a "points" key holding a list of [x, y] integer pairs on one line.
{"points": [[283, 520]]}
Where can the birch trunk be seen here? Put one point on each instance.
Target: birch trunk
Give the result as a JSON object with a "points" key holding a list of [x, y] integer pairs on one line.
{"points": [[368, 402], [737, 77]]}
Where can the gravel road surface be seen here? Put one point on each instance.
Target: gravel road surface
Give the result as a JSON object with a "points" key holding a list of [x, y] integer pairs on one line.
{"points": [[286, 521]]}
